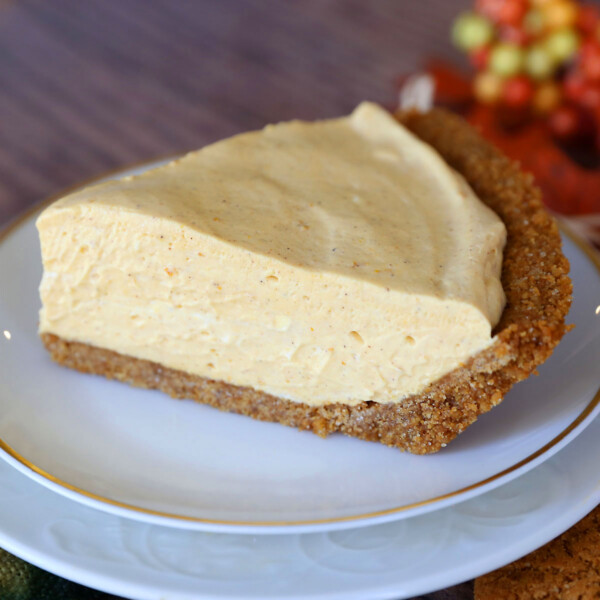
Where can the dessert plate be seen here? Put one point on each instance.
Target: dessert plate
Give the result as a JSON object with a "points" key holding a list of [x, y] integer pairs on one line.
{"points": [[140, 454], [396, 560]]}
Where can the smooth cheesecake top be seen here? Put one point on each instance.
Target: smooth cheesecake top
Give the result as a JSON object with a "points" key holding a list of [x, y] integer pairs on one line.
{"points": [[340, 260]]}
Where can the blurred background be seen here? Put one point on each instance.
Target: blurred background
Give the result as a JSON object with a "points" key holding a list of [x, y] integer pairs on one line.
{"points": [[91, 85]]}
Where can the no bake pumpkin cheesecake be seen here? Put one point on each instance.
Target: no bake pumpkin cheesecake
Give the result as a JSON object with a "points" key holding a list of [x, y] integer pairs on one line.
{"points": [[343, 275]]}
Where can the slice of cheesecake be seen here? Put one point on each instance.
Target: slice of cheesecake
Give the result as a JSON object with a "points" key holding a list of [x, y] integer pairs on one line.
{"points": [[333, 276]]}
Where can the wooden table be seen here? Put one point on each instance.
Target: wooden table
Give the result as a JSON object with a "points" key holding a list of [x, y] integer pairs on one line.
{"points": [[91, 85]]}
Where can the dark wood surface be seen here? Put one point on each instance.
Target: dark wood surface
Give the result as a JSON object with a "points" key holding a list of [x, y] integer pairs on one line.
{"points": [[92, 85]]}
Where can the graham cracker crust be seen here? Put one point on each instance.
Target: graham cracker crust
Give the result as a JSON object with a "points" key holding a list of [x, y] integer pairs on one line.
{"points": [[535, 281]]}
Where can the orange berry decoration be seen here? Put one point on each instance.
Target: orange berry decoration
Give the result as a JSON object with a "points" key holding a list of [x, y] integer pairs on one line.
{"points": [[547, 98], [517, 92]]}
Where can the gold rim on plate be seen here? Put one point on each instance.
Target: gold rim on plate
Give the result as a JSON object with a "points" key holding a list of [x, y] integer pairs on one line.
{"points": [[582, 244]]}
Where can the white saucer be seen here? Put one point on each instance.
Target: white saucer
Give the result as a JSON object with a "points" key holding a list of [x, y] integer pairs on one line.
{"points": [[143, 455], [387, 561]]}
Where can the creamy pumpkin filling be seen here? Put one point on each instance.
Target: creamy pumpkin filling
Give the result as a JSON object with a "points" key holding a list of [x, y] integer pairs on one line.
{"points": [[334, 261]]}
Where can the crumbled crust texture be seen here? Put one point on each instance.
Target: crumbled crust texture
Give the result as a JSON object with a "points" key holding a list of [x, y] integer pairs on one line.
{"points": [[535, 280], [567, 568]]}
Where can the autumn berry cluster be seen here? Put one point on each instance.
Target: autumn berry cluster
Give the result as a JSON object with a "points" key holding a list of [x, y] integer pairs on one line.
{"points": [[541, 56]]}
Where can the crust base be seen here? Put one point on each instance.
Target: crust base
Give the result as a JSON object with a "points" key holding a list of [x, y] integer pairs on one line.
{"points": [[535, 280]]}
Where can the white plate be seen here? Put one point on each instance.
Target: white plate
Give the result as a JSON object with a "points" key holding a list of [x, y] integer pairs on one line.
{"points": [[140, 454], [393, 560]]}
